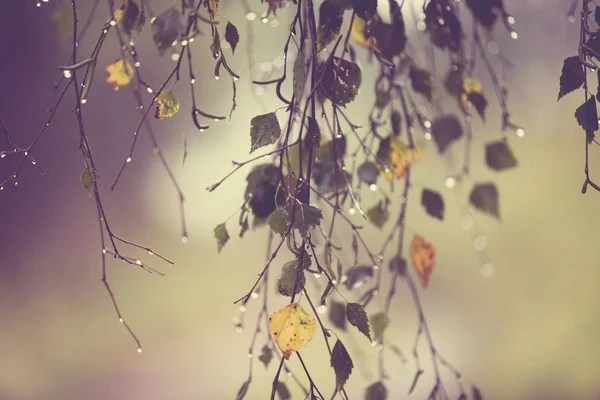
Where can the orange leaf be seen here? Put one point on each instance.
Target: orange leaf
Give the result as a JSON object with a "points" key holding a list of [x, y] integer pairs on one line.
{"points": [[119, 73], [422, 254], [359, 32]]}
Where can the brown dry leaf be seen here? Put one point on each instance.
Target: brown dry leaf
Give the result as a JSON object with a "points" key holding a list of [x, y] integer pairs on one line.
{"points": [[119, 73], [212, 6], [292, 328], [422, 254]]}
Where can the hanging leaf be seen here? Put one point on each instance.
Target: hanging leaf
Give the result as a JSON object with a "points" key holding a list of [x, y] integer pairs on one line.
{"points": [[421, 82], [87, 181], [167, 28], [211, 6], [355, 277], [486, 11], [422, 254], [360, 32], [243, 390], [283, 392], [266, 355], [484, 197], [472, 94], [572, 76], [498, 156], [365, 9], [264, 130], [221, 235], [445, 130], [341, 81], [397, 156], [398, 265], [454, 81], [299, 77], [389, 39], [379, 322], [130, 17], [232, 36], [290, 274], [476, 393], [262, 186], [337, 314], [378, 214], [368, 172], [292, 328], [376, 391], [63, 21], [277, 222], [167, 104], [358, 318], [331, 17], [587, 117], [396, 120], [342, 365], [433, 203], [303, 217], [119, 73], [443, 26]]}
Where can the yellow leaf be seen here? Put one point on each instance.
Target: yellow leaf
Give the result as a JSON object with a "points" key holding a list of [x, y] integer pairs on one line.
{"points": [[167, 105], [422, 254], [400, 157], [470, 85], [119, 73], [358, 34], [292, 328]]}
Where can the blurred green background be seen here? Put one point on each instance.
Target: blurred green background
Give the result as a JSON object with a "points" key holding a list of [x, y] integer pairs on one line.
{"points": [[530, 331]]}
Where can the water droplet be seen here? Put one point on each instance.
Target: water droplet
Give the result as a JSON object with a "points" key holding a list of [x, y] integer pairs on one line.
{"points": [[467, 222], [184, 42], [510, 19], [67, 73], [520, 132], [321, 309], [138, 262], [175, 56], [450, 182], [351, 211], [128, 160], [149, 89], [427, 135], [83, 101], [373, 187], [239, 328], [249, 355], [184, 239], [113, 22], [487, 270], [251, 16], [137, 64], [514, 35], [121, 320], [254, 295], [242, 308], [192, 81], [480, 242]]}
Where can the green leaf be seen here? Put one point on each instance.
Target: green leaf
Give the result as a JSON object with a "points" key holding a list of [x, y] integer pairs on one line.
{"points": [[368, 172], [421, 82], [266, 355], [357, 317], [337, 315], [277, 222], [167, 27], [331, 17], [357, 276], [433, 203], [378, 215], [305, 217], [87, 181], [221, 235], [264, 130], [243, 390], [376, 391], [289, 274], [379, 322], [365, 9], [283, 392], [498, 156], [445, 130], [484, 197], [587, 117], [341, 81], [398, 264], [478, 101], [342, 364], [299, 77], [167, 104], [232, 36]]}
